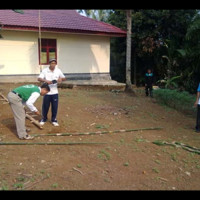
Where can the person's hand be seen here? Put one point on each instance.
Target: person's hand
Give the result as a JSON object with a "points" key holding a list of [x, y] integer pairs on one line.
{"points": [[59, 80], [49, 82], [37, 113], [196, 103]]}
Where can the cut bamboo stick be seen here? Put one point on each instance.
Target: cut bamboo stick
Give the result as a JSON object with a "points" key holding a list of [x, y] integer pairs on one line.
{"points": [[50, 143], [34, 121], [178, 144], [4, 97], [98, 132]]}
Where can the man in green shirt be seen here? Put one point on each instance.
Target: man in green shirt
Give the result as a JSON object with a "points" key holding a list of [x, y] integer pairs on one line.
{"points": [[26, 94]]}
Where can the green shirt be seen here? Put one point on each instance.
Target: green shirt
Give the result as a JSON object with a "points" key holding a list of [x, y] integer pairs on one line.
{"points": [[25, 91]]}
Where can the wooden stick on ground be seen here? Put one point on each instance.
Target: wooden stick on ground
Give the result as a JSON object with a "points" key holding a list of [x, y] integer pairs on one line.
{"points": [[27, 115]]}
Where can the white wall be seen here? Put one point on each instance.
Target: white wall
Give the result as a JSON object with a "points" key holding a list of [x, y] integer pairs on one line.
{"points": [[75, 53], [18, 53]]}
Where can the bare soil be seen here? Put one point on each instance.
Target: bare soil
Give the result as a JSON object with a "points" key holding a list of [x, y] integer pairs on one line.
{"points": [[128, 161]]}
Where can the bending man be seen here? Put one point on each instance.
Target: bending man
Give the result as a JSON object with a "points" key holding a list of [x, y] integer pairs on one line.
{"points": [[27, 95]]}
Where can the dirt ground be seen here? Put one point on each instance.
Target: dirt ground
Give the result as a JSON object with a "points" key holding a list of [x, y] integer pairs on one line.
{"points": [[127, 161]]}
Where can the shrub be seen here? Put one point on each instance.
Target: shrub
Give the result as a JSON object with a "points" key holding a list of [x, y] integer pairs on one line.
{"points": [[181, 101]]}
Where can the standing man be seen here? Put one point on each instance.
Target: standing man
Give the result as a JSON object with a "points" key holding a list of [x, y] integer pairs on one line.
{"points": [[27, 94], [197, 103], [51, 75], [149, 83]]}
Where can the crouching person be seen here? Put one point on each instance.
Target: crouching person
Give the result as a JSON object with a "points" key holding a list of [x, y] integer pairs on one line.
{"points": [[27, 95]]}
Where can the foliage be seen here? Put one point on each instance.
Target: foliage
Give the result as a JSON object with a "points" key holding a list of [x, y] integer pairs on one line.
{"points": [[18, 11], [100, 15], [169, 83], [181, 101], [156, 35]]}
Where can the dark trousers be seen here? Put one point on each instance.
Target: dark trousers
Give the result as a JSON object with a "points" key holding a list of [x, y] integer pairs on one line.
{"points": [[198, 118], [148, 89], [47, 100]]}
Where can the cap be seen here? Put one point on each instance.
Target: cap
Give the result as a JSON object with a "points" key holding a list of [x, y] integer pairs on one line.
{"points": [[51, 60]]}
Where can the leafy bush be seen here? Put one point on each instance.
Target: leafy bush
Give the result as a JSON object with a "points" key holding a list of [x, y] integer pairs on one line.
{"points": [[181, 101]]}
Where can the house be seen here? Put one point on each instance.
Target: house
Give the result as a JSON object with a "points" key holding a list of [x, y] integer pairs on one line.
{"points": [[80, 44]]}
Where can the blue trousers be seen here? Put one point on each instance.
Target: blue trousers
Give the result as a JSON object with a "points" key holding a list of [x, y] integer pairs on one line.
{"points": [[47, 100], [198, 118]]}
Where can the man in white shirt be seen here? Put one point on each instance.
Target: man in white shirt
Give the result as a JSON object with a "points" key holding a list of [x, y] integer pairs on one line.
{"points": [[51, 75]]}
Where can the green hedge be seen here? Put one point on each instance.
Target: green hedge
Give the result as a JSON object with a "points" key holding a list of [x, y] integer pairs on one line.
{"points": [[181, 101]]}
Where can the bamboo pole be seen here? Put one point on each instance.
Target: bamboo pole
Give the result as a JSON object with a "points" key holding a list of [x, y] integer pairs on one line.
{"points": [[50, 143], [4, 98], [178, 144], [40, 38], [34, 121], [98, 132]]}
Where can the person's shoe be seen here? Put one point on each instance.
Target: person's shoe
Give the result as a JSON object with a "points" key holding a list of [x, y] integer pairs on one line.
{"points": [[55, 123], [42, 122], [27, 137]]}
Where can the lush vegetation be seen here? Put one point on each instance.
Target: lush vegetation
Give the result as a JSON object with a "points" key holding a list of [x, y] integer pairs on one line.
{"points": [[181, 101], [168, 41]]}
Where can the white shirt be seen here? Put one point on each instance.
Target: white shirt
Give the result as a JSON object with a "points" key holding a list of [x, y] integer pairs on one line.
{"points": [[31, 100], [51, 75]]}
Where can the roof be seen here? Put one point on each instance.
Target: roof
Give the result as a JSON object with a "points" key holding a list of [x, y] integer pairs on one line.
{"points": [[57, 21]]}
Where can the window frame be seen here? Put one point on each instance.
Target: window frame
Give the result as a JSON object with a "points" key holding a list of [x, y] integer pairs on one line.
{"points": [[48, 45]]}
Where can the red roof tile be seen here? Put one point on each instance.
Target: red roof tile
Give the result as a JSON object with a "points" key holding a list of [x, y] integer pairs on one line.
{"points": [[57, 21]]}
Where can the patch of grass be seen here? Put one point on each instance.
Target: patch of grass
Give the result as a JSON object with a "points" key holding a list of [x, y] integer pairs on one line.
{"points": [[181, 101], [140, 140], [157, 161], [155, 170], [18, 185], [79, 165], [126, 164], [104, 155], [174, 157], [101, 126], [20, 178], [54, 185], [4, 186]]}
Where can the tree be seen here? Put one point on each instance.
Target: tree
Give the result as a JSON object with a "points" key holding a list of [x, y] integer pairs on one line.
{"points": [[100, 15], [128, 51]]}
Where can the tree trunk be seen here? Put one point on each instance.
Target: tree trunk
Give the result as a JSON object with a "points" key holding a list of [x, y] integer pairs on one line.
{"points": [[134, 67], [128, 52]]}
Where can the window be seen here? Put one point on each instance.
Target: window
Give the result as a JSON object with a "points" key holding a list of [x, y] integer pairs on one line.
{"points": [[48, 51]]}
